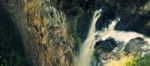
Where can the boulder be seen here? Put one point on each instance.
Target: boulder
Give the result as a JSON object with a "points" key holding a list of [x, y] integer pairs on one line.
{"points": [[134, 45], [108, 45]]}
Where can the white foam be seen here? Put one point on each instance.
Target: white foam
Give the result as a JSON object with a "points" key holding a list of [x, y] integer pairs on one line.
{"points": [[88, 45]]}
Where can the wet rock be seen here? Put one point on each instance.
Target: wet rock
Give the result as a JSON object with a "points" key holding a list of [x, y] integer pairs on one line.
{"points": [[103, 49], [109, 13], [45, 29], [107, 46], [134, 16], [134, 46]]}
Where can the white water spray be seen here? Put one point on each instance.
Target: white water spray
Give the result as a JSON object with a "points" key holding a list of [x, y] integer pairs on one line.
{"points": [[88, 46]]}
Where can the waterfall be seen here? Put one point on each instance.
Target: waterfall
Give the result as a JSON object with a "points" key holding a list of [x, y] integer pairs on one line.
{"points": [[88, 45], [123, 36]]}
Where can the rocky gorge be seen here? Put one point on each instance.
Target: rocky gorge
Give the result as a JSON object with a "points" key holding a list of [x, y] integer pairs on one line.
{"points": [[53, 32]]}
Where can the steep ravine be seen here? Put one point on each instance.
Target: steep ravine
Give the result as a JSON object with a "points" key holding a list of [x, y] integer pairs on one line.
{"points": [[52, 32]]}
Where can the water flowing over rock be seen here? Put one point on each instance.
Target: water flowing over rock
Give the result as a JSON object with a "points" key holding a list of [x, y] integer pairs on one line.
{"points": [[134, 45], [73, 32], [107, 46], [88, 46]]}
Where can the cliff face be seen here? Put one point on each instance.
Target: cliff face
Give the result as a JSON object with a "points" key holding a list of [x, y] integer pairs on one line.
{"points": [[44, 30], [50, 32]]}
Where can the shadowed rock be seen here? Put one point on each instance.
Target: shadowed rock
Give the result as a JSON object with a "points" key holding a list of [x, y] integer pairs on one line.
{"points": [[134, 45], [107, 46]]}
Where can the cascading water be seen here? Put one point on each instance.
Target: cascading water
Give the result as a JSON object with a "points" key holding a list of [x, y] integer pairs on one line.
{"points": [[88, 45]]}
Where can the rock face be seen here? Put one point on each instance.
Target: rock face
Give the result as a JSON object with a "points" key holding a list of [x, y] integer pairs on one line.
{"points": [[48, 31], [11, 46], [44, 31], [107, 46], [135, 46]]}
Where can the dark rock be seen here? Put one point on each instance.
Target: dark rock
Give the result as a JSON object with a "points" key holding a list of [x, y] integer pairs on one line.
{"points": [[11, 45], [109, 13], [107, 46], [61, 14], [83, 25], [131, 18], [134, 45]]}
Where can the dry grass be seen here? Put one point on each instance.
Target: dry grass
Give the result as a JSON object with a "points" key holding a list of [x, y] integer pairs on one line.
{"points": [[123, 61]]}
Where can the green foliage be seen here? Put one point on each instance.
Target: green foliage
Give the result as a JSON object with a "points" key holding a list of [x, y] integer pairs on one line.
{"points": [[13, 59], [11, 46], [141, 61], [96, 56], [74, 26]]}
